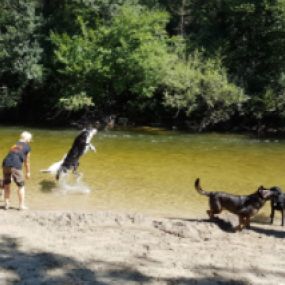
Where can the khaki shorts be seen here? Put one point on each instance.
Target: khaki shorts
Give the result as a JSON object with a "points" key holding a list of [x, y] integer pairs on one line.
{"points": [[16, 174]]}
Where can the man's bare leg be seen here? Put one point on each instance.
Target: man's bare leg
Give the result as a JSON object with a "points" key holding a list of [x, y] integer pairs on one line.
{"points": [[7, 192], [21, 195]]}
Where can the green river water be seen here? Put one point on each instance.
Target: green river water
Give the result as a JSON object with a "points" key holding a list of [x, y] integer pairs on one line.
{"points": [[149, 170]]}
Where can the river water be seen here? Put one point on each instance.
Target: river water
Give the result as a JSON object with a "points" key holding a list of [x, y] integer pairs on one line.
{"points": [[148, 170]]}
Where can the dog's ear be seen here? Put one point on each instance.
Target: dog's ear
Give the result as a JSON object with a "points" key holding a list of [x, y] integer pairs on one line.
{"points": [[261, 187]]}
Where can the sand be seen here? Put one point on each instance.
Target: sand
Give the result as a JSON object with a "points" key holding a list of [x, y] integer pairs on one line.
{"points": [[44, 247]]}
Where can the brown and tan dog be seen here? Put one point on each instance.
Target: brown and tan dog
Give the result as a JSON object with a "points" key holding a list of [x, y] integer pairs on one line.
{"points": [[244, 206]]}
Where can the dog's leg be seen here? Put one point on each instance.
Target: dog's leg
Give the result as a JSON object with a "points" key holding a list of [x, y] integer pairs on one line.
{"points": [[75, 167], [283, 217], [62, 170], [58, 173], [1, 189], [247, 222], [210, 214], [92, 147], [79, 177], [240, 226], [215, 207], [272, 212], [75, 172]]}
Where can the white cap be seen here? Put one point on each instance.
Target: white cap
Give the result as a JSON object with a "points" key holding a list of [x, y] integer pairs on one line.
{"points": [[26, 136]]}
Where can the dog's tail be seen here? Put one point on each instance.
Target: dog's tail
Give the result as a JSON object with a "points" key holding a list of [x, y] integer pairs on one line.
{"points": [[199, 188], [45, 171]]}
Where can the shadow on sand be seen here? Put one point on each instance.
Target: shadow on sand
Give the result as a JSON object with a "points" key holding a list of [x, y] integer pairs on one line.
{"points": [[269, 232], [228, 227], [224, 225], [40, 267]]}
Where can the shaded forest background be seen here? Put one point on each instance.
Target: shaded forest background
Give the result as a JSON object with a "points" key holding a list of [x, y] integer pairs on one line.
{"points": [[195, 64]]}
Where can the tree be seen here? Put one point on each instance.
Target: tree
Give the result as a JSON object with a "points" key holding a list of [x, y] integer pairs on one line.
{"points": [[250, 36], [201, 90], [21, 53], [118, 63]]}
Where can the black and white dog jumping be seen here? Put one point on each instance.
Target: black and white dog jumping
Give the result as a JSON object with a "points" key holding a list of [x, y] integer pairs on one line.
{"points": [[80, 146], [70, 161]]}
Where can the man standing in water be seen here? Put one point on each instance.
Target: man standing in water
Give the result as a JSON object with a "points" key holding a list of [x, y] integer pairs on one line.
{"points": [[18, 155]]}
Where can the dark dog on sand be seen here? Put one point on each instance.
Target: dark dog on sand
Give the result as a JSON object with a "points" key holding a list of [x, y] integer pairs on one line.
{"points": [[277, 203], [243, 206]]}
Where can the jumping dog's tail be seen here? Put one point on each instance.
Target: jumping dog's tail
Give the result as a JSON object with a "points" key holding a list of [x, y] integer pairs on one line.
{"points": [[199, 188]]}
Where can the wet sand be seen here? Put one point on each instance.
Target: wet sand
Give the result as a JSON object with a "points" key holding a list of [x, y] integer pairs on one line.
{"points": [[60, 247]]}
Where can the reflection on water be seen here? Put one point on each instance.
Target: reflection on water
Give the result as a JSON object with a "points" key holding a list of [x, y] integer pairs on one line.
{"points": [[150, 171], [47, 185]]}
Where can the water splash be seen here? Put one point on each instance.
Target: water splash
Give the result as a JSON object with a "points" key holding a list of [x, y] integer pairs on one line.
{"points": [[70, 184]]}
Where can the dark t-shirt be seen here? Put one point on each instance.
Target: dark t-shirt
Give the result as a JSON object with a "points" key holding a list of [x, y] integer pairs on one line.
{"points": [[17, 155]]}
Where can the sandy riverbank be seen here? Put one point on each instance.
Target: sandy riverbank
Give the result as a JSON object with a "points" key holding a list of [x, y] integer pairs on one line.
{"points": [[117, 248]]}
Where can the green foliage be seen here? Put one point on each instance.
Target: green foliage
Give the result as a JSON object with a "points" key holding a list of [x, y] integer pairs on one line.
{"points": [[132, 58], [201, 89], [21, 53], [139, 58], [270, 104], [125, 58], [7, 100], [76, 102], [255, 50]]}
